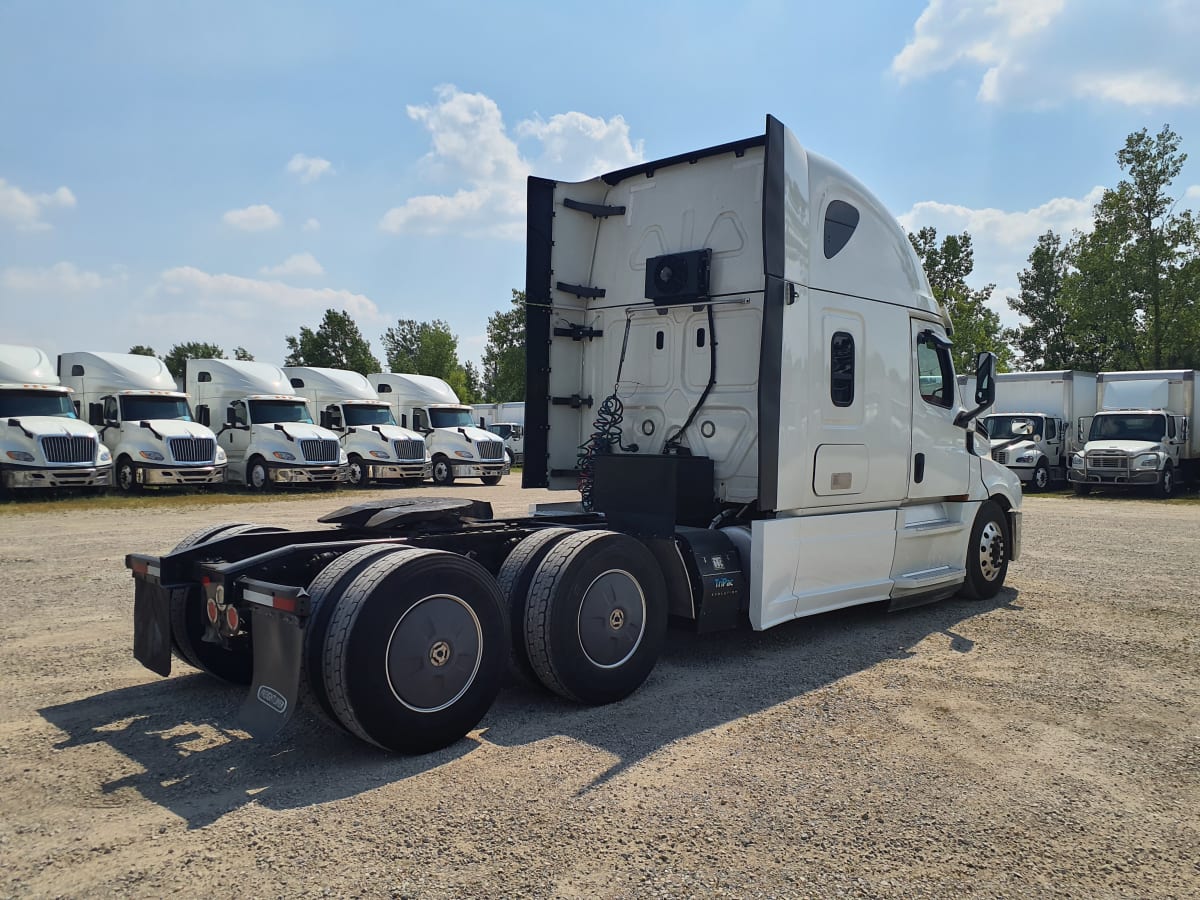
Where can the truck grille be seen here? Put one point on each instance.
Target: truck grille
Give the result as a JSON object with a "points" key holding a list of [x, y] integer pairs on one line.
{"points": [[1107, 462], [491, 450], [191, 449], [410, 449], [319, 450], [61, 449], [1000, 456]]}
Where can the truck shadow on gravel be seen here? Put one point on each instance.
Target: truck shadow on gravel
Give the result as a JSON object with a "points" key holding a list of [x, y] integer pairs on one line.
{"points": [[182, 731]]}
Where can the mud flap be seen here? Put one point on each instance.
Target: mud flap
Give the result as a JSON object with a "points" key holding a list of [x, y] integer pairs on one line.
{"points": [[278, 641], [152, 625]]}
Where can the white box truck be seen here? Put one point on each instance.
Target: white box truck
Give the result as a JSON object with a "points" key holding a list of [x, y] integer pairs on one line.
{"points": [[1031, 427], [377, 448], [736, 356], [1142, 435], [143, 420], [506, 421], [268, 433], [43, 442], [457, 446]]}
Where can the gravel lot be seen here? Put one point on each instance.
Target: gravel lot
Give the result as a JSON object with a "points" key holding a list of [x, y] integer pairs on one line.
{"points": [[1046, 743]]}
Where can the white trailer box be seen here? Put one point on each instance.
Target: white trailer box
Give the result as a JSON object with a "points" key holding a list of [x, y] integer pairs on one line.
{"points": [[1032, 424], [378, 449], [143, 420], [458, 448], [43, 443], [268, 431], [1144, 433]]}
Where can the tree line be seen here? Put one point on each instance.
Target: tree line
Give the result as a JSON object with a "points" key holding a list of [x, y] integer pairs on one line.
{"points": [[1120, 296]]}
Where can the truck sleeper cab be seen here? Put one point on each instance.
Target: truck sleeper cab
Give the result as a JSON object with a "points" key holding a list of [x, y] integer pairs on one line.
{"points": [[759, 423], [268, 433], [377, 448]]}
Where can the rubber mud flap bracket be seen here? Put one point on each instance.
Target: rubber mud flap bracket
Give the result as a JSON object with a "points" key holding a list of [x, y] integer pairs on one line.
{"points": [[278, 641], [152, 625]]}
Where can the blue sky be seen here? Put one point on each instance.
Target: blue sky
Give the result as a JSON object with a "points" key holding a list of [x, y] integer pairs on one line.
{"points": [[227, 171]]}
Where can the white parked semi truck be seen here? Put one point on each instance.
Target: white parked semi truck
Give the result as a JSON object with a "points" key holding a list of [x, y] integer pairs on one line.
{"points": [[507, 422], [1032, 426], [377, 448], [143, 420], [43, 442], [268, 433], [738, 369], [458, 448], [1143, 435]]}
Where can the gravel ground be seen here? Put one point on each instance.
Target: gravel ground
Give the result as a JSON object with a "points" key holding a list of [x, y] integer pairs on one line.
{"points": [[1042, 744]]}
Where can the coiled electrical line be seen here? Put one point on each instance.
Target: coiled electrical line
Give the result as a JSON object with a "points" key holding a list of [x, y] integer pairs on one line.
{"points": [[606, 432]]}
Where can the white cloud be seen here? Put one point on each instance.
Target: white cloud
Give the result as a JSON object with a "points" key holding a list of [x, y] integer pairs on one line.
{"points": [[303, 264], [25, 210], [251, 298], [1192, 195], [309, 168], [472, 146], [312, 225], [259, 217], [1002, 240], [1043, 52], [59, 280]]}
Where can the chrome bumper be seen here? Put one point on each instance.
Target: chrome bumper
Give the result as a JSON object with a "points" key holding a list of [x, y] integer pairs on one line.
{"points": [[401, 470], [180, 475], [468, 470], [309, 474], [95, 476], [1114, 477]]}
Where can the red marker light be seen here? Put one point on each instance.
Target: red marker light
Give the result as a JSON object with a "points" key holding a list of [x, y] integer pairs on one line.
{"points": [[231, 618], [212, 611]]}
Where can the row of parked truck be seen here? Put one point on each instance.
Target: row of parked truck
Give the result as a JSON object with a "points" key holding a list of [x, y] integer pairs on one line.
{"points": [[98, 419], [1112, 430]]}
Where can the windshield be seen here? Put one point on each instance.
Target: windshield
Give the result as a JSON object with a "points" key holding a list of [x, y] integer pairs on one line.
{"points": [[368, 414], [134, 409], [450, 418], [266, 412], [1127, 427], [504, 431], [1003, 428], [36, 403]]}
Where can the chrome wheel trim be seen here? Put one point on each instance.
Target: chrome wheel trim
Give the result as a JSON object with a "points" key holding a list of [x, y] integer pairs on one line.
{"points": [[991, 551]]}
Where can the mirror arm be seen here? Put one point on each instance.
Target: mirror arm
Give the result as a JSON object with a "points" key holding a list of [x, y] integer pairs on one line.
{"points": [[965, 416]]}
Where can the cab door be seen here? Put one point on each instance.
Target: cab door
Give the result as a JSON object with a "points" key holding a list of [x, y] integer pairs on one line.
{"points": [[1054, 441], [236, 441], [939, 465]]}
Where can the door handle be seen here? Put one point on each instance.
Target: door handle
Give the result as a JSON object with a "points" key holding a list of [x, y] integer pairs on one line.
{"points": [[919, 468]]}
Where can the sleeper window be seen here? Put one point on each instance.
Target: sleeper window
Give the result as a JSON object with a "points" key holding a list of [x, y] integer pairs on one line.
{"points": [[841, 369]]}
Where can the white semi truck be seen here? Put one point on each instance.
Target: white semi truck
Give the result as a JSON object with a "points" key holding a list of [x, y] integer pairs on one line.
{"points": [[1032, 426], [737, 368], [268, 433], [1143, 435], [458, 448], [506, 421], [377, 448], [143, 420], [43, 442]]}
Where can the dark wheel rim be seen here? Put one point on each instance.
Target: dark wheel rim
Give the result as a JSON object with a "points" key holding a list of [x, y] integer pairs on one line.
{"points": [[612, 619], [434, 653], [125, 477], [991, 551]]}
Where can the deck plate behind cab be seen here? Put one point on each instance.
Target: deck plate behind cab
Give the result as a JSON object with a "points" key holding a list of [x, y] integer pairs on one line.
{"points": [[396, 513]]}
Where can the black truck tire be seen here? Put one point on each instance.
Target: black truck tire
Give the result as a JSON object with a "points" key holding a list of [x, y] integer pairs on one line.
{"points": [[323, 593], [596, 617], [490, 480], [987, 553], [189, 620], [443, 472], [1040, 480], [415, 649], [514, 579], [1165, 488]]}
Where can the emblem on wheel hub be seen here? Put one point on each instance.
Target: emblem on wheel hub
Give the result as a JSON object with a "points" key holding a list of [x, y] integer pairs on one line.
{"points": [[439, 653], [616, 619]]}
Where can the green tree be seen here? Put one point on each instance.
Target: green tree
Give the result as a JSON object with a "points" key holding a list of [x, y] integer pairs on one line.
{"points": [[181, 353], [142, 350], [421, 348], [976, 327], [504, 355], [336, 344], [242, 354], [1044, 339]]}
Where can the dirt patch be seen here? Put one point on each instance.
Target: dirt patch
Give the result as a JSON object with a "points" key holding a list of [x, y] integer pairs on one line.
{"points": [[1043, 744]]}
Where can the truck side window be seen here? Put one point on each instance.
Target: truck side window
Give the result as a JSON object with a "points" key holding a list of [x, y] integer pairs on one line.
{"points": [[239, 412], [418, 419], [935, 374], [110, 410], [1051, 430], [1171, 427], [841, 368]]}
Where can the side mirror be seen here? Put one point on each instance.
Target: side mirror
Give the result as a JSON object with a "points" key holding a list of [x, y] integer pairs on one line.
{"points": [[985, 388], [323, 418], [230, 419], [96, 415], [202, 414]]}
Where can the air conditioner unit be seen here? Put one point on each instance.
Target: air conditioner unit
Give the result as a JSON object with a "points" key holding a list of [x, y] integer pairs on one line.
{"points": [[678, 277]]}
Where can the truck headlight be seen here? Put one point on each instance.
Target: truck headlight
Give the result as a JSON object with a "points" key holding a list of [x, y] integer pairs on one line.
{"points": [[1025, 458], [20, 456], [379, 454], [152, 455], [1077, 461], [283, 454], [343, 459], [1147, 461], [463, 454], [105, 456], [221, 457]]}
